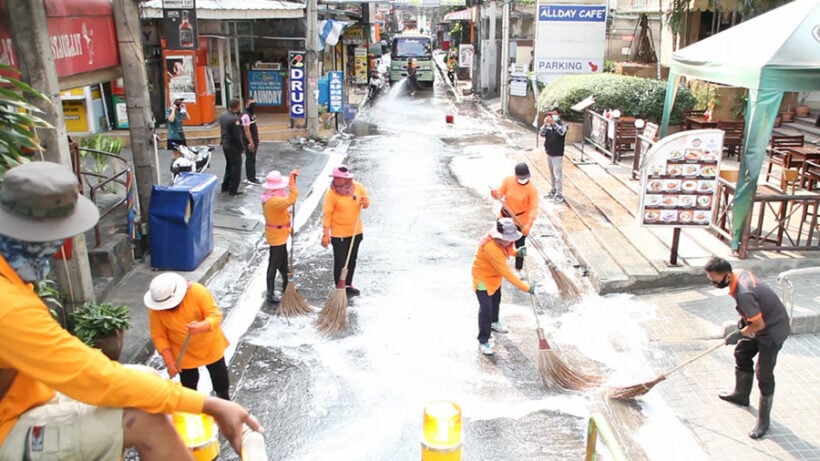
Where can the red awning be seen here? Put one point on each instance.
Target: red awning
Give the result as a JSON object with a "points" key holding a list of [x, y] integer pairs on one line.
{"points": [[461, 15]]}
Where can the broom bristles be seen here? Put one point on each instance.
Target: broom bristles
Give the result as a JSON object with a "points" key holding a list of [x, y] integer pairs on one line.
{"points": [[555, 374], [292, 303], [333, 318], [636, 390], [566, 287]]}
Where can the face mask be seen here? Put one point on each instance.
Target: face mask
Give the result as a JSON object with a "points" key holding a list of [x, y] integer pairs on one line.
{"points": [[555, 118], [31, 260], [523, 181], [723, 283]]}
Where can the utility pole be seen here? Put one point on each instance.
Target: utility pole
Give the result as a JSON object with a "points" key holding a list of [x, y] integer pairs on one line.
{"points": [[505, 58], [490, 53], [137, 101], [312, 69], [29, 31]]}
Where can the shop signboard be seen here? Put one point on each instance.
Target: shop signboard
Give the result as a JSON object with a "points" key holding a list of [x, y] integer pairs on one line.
{"points": [[465, 56], [336, 88], [296, 83], [570, 39], [679, 179], [179, 22], [265, 86], [181, 80], [360, 65]]}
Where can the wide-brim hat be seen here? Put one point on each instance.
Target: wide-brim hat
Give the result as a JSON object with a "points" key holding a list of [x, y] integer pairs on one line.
{"points": [[166, 291], [40, 202], [274, 180], [505, 230], [342, 172]]}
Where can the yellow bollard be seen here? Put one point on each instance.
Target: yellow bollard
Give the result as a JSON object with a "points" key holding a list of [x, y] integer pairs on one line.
{"points": [[441, 432]]}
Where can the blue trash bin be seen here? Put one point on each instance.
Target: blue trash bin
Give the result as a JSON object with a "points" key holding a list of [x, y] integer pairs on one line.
{"points": [[182, 222]]}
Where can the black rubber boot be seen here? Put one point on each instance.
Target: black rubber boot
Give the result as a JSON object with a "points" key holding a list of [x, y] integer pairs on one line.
{"points": [[224, 395], [763, 413], [743, 387]]}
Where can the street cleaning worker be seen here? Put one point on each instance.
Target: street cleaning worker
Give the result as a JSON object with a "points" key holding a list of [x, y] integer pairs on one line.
{"points": [[181, 311], [279, 196], [341, 218], [489, 266], [521, 198], [412, 76], [51, 383], [763, 327]]}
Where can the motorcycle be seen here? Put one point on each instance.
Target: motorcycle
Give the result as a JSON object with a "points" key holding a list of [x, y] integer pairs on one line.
{"points": [[192, 159], [378, 85]]}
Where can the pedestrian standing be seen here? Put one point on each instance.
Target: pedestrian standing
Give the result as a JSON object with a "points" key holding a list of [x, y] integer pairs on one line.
{"points": [[251, 139], [521, 198], [183, 312], [279, 196], [175, 115], [489, 267], [233, 140], [42, 364], [763, 327], [342, 223], [554, 131]]}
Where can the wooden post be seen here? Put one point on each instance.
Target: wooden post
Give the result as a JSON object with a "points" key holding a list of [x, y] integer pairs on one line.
{"points": [[673, 257]]}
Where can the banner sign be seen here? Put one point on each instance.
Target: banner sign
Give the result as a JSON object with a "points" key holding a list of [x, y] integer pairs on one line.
{"points": [[296, 83], [179, 22], [336, 87], [265, 86], [571, 39]]}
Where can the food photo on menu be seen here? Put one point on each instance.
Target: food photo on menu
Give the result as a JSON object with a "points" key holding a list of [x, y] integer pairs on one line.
{"points": [[706, 186], [702, 216], [708, 171], [669, 200], [685, 216], [651, 216], [669, 216], [693, 154], [686, 201]]}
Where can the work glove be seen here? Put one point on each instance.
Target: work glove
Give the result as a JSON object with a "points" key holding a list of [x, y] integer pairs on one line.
{"points": [[526, 229], [169, 363], [326, 240], [521, 252], [741, 323], [531, 289], [733, 337], [365, 200], [198, 327]]}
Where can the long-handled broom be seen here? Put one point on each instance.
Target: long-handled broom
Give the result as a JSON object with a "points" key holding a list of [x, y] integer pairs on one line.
{"points": [[182, 352], [333, 318], [292, 303], [566, 287], [554, 373], [636, 390]]}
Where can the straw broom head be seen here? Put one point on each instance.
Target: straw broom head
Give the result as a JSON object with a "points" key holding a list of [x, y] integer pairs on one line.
{"points": [[636, 390], [566, 287], [557, 375], [332, 319], [292, 303]]}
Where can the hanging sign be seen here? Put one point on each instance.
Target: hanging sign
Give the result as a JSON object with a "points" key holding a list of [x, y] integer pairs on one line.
{"points": [[179, 21], [296, 83], [571, 39], [336, 87], [265, 86]]}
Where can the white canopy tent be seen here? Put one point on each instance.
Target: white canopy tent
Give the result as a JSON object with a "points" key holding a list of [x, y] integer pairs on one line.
{"points": [[775, 52]]}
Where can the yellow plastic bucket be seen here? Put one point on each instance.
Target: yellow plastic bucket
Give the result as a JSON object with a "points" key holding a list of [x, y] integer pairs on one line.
{"points": [[200, 434]]}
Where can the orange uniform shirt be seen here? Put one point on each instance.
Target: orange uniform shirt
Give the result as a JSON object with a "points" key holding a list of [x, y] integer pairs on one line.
{"points": [[341, 213], [278, 218], [521, 199], [490, 266], [48, 358], [168, 328]]}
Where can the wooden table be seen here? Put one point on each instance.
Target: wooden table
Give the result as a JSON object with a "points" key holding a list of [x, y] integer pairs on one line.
{"points": [[698, 122], [803, 155], [811, 174]]}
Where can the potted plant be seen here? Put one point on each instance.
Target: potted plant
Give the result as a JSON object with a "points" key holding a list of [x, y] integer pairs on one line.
{"points": [[801, 109], [787, 115], [102, 326]]}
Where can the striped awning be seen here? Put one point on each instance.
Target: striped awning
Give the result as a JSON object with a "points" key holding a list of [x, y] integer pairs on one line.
{"points": [[461, 15], [232, 9]]}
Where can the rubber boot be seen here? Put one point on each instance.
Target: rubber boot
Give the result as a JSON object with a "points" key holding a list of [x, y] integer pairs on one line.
{"points": [[743, 387], [224, 395], [763, 413]]}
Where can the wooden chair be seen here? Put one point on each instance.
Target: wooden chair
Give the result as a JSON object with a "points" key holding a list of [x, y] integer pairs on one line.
{"points": [[733, 139], [790, 177], [779, 154], [625, 137]]}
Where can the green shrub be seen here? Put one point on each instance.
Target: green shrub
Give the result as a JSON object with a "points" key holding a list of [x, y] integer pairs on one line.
{"points": [[633, 96], [94, 321]]}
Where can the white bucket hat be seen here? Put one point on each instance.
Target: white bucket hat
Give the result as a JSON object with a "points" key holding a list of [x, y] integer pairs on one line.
{"points": [[166, 291], [505, 230]]}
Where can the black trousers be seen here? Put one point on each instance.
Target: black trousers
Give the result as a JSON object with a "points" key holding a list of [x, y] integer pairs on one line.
{"points": [[488, 308], [219, 378], [519, 260], [250, 162], [233, 169], [340, 248], [277, 262], [745, 351]]}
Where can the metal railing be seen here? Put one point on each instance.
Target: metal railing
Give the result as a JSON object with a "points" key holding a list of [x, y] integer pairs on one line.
{"points": [[122, 175], [598, 426], [787, 287]]}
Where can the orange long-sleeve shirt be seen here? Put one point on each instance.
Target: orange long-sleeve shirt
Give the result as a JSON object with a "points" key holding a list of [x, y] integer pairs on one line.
{"points": [[277, 217], [490, 266], [168, 328], [340, 213], [48, 358], [521, 199]]}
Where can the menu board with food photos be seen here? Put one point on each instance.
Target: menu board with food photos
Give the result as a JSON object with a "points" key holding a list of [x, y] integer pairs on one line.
{"points": [[679, 179]]}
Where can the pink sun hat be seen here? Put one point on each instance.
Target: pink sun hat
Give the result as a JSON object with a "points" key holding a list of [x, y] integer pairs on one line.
{"points": [[342, 172], [275, 180]]}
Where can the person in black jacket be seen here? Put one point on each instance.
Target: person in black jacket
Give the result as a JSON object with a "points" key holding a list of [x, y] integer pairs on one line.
{"points": [[233, 142], [554, 132]]}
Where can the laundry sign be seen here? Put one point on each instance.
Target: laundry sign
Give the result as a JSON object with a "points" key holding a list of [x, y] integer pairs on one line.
{"points": [[570, 39]]}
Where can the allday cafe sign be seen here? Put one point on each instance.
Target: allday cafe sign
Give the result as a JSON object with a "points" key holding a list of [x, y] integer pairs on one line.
{"points": [[572, 13]]}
